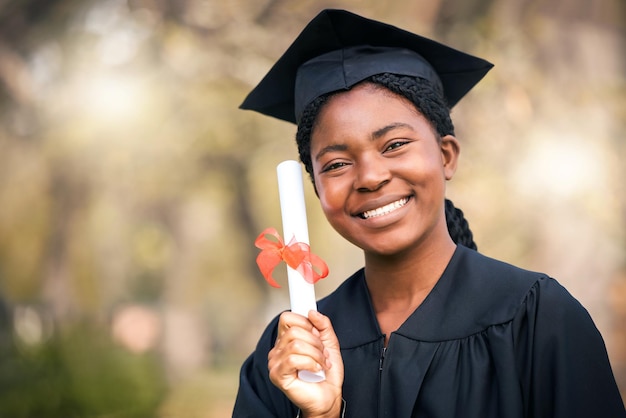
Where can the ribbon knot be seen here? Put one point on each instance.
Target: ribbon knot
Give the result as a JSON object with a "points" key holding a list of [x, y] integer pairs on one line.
{"points": [[296, 255]]}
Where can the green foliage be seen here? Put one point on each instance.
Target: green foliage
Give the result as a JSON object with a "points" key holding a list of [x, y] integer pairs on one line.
{"points": [[78, 374]]}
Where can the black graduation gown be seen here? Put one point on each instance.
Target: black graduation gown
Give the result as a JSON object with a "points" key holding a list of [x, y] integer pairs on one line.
{"points": [[490, 340]]}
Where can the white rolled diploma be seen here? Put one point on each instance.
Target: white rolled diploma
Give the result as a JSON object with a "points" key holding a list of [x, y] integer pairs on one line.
{"points": [[293, 210]]}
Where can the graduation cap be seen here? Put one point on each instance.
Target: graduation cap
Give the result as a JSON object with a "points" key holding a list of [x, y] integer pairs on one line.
{"points": [[338, 49]]}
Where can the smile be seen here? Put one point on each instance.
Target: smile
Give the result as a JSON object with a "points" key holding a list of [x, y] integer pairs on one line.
{"points": [[385, 209]]}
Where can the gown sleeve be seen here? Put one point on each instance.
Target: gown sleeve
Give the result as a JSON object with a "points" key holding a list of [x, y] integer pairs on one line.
{"points": [[565, 363], [257, 396]]}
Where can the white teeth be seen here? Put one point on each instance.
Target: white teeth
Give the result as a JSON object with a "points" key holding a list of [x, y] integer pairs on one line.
{"points": [[385, 209]]}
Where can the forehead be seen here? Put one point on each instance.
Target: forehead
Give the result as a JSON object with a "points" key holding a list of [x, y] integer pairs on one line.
{"points": [[363, 98]]}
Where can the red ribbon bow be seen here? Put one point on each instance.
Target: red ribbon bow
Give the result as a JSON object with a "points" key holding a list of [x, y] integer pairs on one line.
{"points": [[296, 255]]}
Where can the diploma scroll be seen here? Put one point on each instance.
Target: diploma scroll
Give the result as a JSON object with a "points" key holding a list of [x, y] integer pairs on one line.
{"points": [[293, 210]]}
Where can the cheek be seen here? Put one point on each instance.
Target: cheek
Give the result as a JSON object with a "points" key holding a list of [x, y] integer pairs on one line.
{"points": [[334, 212], [332, 199], [422, 172], [432, 166]]}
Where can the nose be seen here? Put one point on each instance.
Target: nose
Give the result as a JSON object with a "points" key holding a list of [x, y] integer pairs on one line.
{"points": [[372, 173]]}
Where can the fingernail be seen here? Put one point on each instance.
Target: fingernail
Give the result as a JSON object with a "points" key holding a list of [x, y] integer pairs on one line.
{"points": [[314, 313]]}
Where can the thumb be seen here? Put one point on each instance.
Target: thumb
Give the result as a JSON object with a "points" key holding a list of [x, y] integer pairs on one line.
{"points": [[332, 351], [325, 328]]}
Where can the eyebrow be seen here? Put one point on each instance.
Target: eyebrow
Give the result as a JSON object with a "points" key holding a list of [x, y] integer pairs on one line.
{"points": [[330, 148], [382, 131]]}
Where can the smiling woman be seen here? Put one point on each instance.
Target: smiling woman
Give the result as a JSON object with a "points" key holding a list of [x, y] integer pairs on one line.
{"points": [[383, 186], [428, 327]]}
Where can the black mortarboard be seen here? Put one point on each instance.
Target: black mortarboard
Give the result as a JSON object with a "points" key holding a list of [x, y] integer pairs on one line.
{"points": [[338, 49]]}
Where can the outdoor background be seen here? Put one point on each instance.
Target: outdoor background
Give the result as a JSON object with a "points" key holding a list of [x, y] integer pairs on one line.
{"points": [[132, 188]]}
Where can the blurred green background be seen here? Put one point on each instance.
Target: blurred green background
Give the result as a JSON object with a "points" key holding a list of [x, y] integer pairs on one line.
{"points": [[132, 188]]}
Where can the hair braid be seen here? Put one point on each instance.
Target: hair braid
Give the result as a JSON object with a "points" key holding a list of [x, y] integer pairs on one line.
{"points": [[458, 227]]}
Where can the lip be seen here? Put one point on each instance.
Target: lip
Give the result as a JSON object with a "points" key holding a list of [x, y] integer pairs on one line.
{"points": [[378, 204]]}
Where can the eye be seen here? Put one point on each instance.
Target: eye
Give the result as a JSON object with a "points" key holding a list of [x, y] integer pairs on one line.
{"points": [[395, 145], [334, 166]]}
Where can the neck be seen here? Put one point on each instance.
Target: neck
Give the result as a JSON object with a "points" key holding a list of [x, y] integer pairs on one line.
{"points": [[401, 282]]}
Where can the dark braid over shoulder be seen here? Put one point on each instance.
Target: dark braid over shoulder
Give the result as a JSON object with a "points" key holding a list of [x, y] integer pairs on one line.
{"points": [[458, 226], [429, 101]]}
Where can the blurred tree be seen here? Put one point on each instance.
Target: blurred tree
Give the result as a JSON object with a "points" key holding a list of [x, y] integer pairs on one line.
{"points": [[128, 175], [61, 378]]}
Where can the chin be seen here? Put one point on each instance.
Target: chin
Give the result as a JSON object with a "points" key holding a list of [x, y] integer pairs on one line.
{"points": [[384, 249]]}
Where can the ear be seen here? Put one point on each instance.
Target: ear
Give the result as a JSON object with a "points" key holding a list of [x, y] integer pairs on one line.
{"points": [[450, 150]]}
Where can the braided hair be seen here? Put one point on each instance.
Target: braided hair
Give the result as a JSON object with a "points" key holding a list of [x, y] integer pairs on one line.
{"points": [[458, 227], [429, 101]]}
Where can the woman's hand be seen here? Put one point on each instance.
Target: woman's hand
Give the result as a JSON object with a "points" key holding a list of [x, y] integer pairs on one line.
{"points": [[308, 344]]}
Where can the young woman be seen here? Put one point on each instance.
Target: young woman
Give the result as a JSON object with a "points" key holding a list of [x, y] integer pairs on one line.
{"points": [[429, 327]]}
